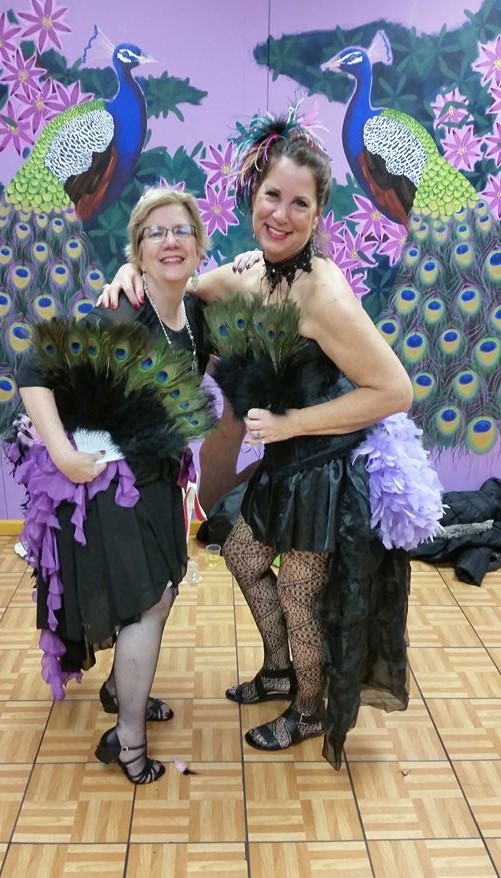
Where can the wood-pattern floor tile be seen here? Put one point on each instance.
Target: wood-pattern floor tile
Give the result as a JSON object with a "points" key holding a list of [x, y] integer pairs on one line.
{"points": [[431, 859], [73, 731], [427, 590], [495, 655], [481, 784], [310, 860], [23, 595], [13, 782], [440, 626], [175, 674], [469, 728], [215, 626], [74, 803], [3, 851], [247, 633], [180, 629], [446, 672], [22, 725], [17, 628], [487, 623], [204, 807], [493, 845], [299, 802], [187, 861], [399, 736], [411, 800], [215, 594], [21, 678], [65, 861], [488, 594], [202, 730], [215, 671]]}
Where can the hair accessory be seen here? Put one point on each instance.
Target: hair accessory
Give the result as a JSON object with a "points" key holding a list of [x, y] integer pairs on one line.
{"points": [[275, 272], [253, 144]]}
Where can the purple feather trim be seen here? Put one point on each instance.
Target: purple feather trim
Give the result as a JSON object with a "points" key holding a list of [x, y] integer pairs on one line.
{"points": [[47, 487], [405, 491]]}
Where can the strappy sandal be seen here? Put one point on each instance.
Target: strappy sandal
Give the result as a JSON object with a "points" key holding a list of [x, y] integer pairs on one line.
{"points": [[290, 728], [154, 708], [109, 749], [262, 692]]}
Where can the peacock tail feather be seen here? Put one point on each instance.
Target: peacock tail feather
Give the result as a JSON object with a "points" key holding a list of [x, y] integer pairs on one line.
{"points": [[100, 382], [258, 344], [443, 318]]}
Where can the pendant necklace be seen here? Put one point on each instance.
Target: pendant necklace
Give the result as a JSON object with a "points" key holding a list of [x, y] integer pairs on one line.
{"points": [[275, 272], [194, 365]]}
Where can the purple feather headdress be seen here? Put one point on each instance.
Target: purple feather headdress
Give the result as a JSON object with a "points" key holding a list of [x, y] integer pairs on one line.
{"points": [[253, 145]]}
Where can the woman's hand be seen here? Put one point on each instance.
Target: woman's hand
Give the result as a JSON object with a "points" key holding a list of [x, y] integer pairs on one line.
{"points": [[244, 261], [80, 466], [263, 426], [127, 280]]}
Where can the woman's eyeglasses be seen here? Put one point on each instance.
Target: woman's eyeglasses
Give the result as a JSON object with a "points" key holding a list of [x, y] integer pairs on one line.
{"points": [[158, 233]]}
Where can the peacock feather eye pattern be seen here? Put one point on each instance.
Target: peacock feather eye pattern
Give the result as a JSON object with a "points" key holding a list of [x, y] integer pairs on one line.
{"points": [[482, 434], [40, 252], [20, 277], [414, 347], [44, 307], [451, 342], [487, 353], [463, 255], [6, 255], [59, 275], [8, 388], [5, 303], [429, 271], [469, 301], [449, 421], [424, 385], [492, 266], [389, 329], [434, 311], [407, 299], [73, 249], [18, 336], [495, 319], [466, 385]]}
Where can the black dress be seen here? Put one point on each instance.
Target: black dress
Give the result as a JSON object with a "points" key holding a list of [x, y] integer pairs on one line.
{"points": [[131, 554], [308, 495]]}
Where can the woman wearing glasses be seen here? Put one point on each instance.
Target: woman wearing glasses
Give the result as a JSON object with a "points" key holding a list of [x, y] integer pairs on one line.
{"points": [[119, 587]]}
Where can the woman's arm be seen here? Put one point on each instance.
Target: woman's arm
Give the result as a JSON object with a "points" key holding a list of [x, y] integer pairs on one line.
{"points": [[332, 316], [211, 285], [42, 411]]}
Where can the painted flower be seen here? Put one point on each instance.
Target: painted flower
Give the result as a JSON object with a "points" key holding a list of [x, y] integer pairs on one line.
{"points": [[329, 234], [488, 62], [45, 21], [495, 92], [22, 73], [356, 280], [492, 194], [67, 96], [164, 184], [394, 238], [12, 131], [217, 210], [355, 252], [7, 32], [40, 105], [221, 166], [462, 148], [493, 142], [368, 218], [446, 110]]}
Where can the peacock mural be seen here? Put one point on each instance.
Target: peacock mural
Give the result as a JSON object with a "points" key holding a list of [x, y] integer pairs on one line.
{"points": [[443, 316]]}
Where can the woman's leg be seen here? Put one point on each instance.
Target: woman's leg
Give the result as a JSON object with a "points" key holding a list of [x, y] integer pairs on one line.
{"points": [[250, 563], [301, 581], [136, 656]]}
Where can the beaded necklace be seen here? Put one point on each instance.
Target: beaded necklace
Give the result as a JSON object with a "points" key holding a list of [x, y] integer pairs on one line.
{"points": [[194, 365], [275, 272]]}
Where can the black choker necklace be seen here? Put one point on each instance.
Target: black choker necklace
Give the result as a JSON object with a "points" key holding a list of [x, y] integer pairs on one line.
{"points": [[275, 272]]}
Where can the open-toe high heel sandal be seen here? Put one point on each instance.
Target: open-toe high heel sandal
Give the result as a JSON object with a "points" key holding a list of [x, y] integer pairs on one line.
{"points": [[156, 711], [290, 728], [109, 748], [267, 685]]}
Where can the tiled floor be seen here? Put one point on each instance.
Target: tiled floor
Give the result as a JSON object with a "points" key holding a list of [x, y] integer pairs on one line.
{"points": [[419, 794]]}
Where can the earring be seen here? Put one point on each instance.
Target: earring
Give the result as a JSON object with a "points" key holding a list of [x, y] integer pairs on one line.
{"points": [[194, 280]]}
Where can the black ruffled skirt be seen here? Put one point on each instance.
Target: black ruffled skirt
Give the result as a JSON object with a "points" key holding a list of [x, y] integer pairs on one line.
{"points": [[130, 556], [309, 496]]}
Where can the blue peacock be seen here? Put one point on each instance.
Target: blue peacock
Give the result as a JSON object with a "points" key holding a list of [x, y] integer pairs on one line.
{"points": [[78, 167], [444, 314]]}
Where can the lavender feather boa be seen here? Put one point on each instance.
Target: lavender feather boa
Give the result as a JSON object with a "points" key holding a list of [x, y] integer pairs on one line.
{"points": [[405, 491]]}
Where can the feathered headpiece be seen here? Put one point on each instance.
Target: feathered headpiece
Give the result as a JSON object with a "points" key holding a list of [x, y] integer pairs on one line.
{"points": [[253, 145]]}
